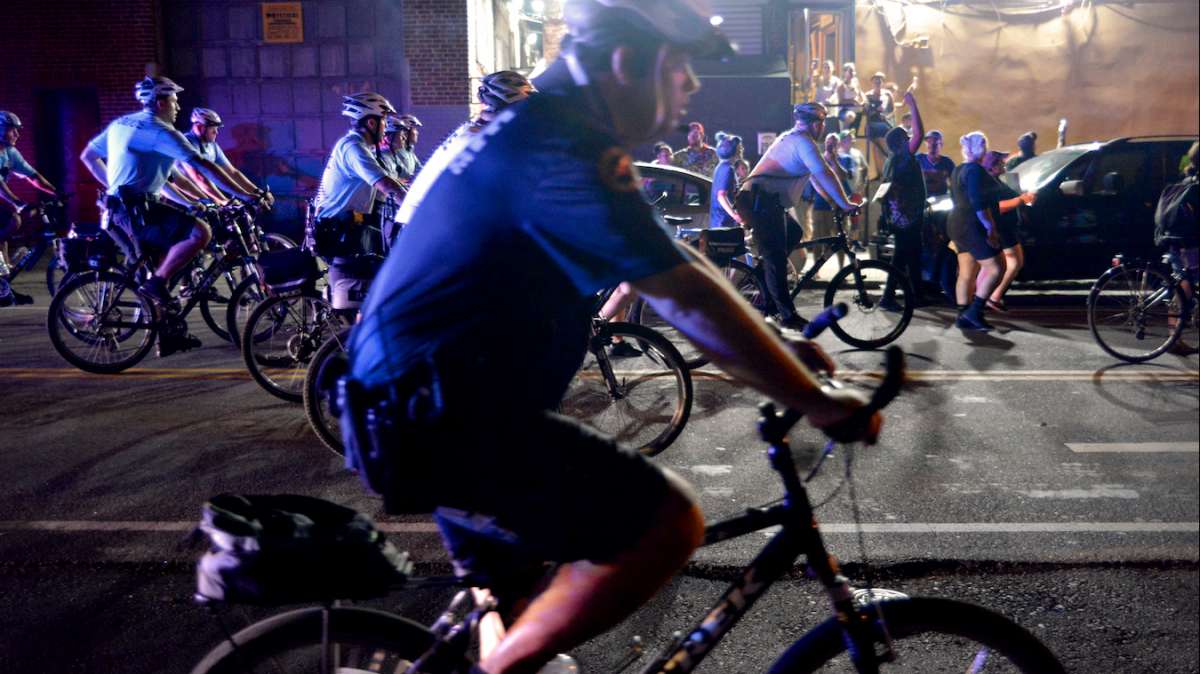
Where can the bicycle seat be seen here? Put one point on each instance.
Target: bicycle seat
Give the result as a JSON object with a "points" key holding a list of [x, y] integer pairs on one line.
{"points": [[285, 549]]}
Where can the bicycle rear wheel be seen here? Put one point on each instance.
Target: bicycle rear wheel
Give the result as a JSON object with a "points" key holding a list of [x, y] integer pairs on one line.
{"points": [[1135, 313], [927, 635], [361, 640], [643, 400], [329, 364], [282, 336], [740, 275], [870, 324], [217, 297], [100, 323]]}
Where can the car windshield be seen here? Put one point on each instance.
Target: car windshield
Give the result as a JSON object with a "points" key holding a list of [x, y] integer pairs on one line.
{"points": [[1035, 172]]}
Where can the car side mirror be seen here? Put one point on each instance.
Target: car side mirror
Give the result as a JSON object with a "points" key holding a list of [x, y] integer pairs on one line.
{"points": [[1113, 183], [1071, 188]]}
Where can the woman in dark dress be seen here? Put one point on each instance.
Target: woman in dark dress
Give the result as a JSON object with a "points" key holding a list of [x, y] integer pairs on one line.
{"points": [[972, 229], [1007, 217]]}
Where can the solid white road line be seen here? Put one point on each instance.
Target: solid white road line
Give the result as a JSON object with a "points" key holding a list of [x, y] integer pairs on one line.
{"points": [[1134, 447], [89, 526]]}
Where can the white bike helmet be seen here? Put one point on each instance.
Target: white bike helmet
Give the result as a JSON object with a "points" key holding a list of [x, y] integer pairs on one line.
{"points": [[150, 88], [8, 119], [410, 121], [501, 89], [683, 23], [392, 124], [206, 117], [366, 104]]}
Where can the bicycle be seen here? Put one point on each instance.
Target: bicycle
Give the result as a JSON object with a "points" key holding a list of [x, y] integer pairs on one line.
{"points": [[1137, 311], [641, 397], [104, 322], [868, 325], [73, 247], [870, 629]]}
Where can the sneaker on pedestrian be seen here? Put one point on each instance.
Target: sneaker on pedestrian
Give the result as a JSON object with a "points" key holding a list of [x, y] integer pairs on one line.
{"points": [[793, 322], [890, 304], [623, 349], [971, 318]]}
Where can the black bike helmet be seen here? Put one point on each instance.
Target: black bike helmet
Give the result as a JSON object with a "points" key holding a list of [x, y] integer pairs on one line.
{"points": [[809, 112]]}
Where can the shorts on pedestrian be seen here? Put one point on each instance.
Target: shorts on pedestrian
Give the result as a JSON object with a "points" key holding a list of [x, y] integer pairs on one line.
{"points": [[1007, 229], [971, 238], [878, 129], [823, 224]]}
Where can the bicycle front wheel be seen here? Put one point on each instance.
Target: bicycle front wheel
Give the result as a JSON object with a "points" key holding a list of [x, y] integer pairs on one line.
{"points": [[329, 364], [1135, 313], [873, 320], [360, 640], [280, 339], [926, 635], [100, 323], [641, 397]]}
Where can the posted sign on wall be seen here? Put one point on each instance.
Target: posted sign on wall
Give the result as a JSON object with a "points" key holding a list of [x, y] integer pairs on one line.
{"points": [[282, 22]]}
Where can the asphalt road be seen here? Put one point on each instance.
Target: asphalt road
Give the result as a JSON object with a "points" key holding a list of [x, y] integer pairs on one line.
{"points": [[1024, 470]]}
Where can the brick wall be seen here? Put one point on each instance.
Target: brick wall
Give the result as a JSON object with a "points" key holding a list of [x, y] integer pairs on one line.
{"points": [[435, 45], [96, 48]]}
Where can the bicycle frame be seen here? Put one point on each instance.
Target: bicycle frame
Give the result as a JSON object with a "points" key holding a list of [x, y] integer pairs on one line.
{"points": [[838, 243], [800, 536]]}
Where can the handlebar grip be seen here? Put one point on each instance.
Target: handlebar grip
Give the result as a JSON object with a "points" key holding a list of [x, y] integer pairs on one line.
{"points": [[825, 319]]}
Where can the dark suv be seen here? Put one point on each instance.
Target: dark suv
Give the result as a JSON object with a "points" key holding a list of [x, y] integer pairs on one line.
{"points": [[1093, 200]]}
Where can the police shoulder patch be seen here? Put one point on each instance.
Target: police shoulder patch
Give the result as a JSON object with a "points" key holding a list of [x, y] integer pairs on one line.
{"points": [[617, 171]]}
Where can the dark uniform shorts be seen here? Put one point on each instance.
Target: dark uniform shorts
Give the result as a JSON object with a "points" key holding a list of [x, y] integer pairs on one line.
{"points": [[545, 487], [165, 226]]}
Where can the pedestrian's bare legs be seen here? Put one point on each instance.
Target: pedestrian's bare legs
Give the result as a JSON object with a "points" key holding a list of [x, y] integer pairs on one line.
{"points": [[964, 287], [1014, 259], [990, 271]]}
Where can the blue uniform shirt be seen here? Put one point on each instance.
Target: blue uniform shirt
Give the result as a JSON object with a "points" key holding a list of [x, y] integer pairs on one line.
{"points": [[139, 150], [518, 227], [210, 151], [11, 161], [348, 183]]}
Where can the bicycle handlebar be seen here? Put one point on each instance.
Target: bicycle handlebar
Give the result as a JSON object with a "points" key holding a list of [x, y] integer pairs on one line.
{"points": [[774, 427]]}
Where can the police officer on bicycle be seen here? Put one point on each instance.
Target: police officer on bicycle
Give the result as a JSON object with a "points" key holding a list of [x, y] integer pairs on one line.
{"points": [[480, 317], [206, 124], [347, 220], [775, 184], [11, 206], [133, 158]]}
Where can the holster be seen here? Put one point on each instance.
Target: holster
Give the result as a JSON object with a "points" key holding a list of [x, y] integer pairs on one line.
{"points": [[387, 435]]}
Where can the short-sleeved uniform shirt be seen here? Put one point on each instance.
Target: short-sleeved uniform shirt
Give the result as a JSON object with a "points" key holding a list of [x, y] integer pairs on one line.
{"points": [[937, 173], [11, 161], [517, 228], [407, 163], [723, 179], [783, 169], [348, 183], [139, 150], [210, 151]]}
